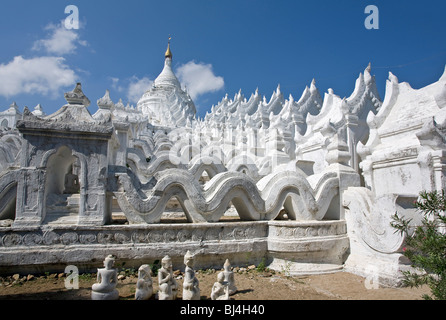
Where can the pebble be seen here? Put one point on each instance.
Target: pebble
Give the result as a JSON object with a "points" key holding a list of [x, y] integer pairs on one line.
{"points": [[176, 273], [267, 275], [121, 277]]}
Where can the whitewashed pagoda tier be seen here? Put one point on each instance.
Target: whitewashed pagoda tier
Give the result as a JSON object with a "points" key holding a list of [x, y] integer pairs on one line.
{"points": [[166, 104]]}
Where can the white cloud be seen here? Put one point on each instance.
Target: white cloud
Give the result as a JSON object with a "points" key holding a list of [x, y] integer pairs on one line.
{"points": [[41, 75], [134, 87], [137, 87], [199, 78], [60, 41], [115, 84]]}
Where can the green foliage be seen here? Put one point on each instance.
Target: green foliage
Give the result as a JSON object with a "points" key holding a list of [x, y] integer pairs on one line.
{"points": [[425, 244], [286, 268], [86, 276], [262, 266], [126, 271], [155, 267]]}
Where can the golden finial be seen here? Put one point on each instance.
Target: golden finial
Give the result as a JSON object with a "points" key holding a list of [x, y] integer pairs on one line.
{"points": [[168, 52]]}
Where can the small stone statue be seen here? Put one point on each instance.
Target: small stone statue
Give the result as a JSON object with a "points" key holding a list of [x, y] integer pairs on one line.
{"points": [[71, 182], [144, 288], [191, 291], [168, 287], [107, 279], [229, 277], [220, 289]]}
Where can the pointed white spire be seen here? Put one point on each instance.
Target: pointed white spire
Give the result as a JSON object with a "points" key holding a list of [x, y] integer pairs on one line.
{"points": [[14, 106], [368, 79], [313, 88], [105, 102], [38, 111], [393, 78]]}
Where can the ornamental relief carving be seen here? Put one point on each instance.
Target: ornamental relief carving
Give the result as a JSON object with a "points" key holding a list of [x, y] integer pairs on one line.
{"points": [[87, 238], [69, 238], [32, 239], [105, 237], [11, 240], [139, 237], [50, 238], [66, 238], [305, 231]]}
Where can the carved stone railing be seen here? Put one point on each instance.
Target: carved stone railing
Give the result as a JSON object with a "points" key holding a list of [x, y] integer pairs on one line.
{"points": [[52, 248]]}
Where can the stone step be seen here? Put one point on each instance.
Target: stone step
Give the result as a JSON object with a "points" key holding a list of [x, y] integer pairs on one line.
{"points": [[74, 200], [61, 218]]}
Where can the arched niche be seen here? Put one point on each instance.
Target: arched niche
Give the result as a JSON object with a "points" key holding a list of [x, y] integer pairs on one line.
{"points": [[62, 202], [58, 166]]}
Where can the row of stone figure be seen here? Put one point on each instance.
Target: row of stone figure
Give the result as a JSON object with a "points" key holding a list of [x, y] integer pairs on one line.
{"points": [[105, 288]]}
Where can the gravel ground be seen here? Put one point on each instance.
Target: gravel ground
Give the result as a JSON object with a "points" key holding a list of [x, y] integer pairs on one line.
{"points": [[251, 284]]}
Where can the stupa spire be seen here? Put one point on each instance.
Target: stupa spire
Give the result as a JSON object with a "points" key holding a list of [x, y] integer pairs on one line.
{"points": [[168, 52]]}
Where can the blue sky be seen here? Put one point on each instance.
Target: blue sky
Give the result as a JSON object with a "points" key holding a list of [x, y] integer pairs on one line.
{"points": [[218, 47]]}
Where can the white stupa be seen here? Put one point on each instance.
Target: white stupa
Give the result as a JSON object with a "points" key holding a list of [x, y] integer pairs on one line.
{"points": [[166, 104]]}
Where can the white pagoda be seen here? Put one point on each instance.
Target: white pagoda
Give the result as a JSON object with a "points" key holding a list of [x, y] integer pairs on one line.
{"points": [[166, 104]]}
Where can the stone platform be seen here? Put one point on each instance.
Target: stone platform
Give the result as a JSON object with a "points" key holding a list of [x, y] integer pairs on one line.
{"points": [[291, 246]]}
